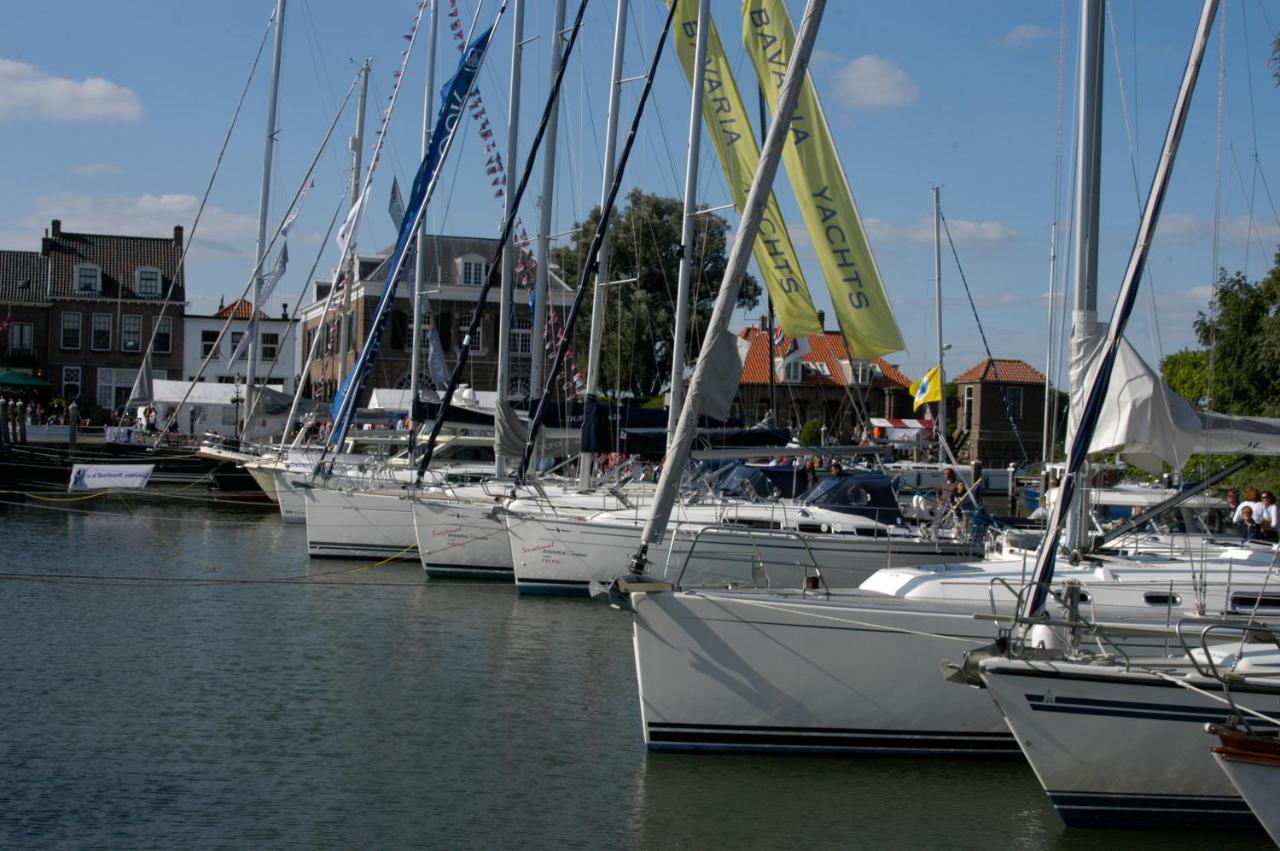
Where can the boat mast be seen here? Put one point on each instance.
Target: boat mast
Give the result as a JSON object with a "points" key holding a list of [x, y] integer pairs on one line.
{"points": [[731, 285], [937, 299], [768, 297], [1046, 444], [509, 211], [264, 204], [538, 342], [679, 343], [1084, 319], [357, 150], [586, 460], [420, 260]]}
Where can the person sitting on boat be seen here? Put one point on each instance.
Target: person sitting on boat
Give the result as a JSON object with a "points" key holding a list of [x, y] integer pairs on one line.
{"points": [[1254, 502], [1246, 526], [1269, 517], [835, 469], [947, 489]]}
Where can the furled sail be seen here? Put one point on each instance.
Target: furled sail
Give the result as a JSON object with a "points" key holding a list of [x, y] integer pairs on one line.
{"points": [[857, 292], [453, 98], [725, 116], [1149, 425]]}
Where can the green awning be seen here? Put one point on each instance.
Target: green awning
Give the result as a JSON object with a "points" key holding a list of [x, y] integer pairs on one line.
{"points": [[13, 378]]}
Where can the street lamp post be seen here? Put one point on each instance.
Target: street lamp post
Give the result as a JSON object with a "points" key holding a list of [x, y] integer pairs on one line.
{"points": [[237, 400]]}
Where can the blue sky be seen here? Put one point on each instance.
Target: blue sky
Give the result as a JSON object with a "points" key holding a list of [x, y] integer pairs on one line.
{"points": [[111, 115]]}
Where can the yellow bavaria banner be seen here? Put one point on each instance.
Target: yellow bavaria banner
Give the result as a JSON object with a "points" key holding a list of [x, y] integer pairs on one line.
{"points": [[725, 118], [857, 293]]}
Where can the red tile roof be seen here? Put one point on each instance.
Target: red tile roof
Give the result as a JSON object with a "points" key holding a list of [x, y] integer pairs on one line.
{"points": [[825, 348], [1002, 370], [241, 308], [119, 257], [23, 277]]}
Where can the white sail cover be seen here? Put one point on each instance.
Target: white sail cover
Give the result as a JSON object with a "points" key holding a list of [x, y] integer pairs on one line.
{"points": [[1149, 425]]}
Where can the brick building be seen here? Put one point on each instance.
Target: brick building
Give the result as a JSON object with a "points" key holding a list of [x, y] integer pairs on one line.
{"points": [[84, 307], [825, 384], [990, 432], [456, 269]]}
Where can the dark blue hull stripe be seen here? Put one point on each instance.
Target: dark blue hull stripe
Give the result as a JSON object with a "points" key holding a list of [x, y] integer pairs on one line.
{"points": [[672, 736], [1080, 809], [1131, 709]]}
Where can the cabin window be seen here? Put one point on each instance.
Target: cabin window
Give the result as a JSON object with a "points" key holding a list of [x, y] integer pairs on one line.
{"points": [[88, 279], [1245, 602], [164, 334], [148, 283], [1161, 598], [100, 337], [130, 333], [71, 330]]}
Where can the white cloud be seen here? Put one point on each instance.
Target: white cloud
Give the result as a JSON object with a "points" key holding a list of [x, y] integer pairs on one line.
{"points": [[1189, 228], [989, 233], [97, 168], [27, 92], [221, 231], [872, 81], [1024, 33]]}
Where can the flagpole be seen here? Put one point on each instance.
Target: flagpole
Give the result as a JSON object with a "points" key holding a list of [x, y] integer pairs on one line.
{"points": [[937, 295], [420, 261]]}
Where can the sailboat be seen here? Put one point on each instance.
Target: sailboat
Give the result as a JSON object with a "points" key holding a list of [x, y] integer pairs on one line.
{"points": [[818, 668], [1251, 760]]}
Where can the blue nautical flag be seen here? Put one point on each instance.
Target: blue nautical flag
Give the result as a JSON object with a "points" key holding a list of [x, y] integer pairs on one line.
{"points": [[453, 98]]}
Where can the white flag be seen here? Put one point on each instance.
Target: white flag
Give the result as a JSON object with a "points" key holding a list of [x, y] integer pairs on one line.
{"points": [[297, 208], [277, 272], [249, 333], [346, 233]]}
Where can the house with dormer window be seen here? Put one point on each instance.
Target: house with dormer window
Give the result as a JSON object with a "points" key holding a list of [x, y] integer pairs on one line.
{"points": [[456, 268], [102, 297]]}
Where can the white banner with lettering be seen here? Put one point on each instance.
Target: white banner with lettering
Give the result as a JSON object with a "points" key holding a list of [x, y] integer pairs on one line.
{"points": [[88, 477]]}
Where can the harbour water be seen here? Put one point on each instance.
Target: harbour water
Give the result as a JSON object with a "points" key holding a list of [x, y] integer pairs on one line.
{"points": [[183, 676]]}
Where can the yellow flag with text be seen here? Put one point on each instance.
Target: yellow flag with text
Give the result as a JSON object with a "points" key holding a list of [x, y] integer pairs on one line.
{"points": [[725, 118], [927, 389], [857, 292]]}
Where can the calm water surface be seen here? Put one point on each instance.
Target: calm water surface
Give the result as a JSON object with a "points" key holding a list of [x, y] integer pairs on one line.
{"points": [[181, 675]]}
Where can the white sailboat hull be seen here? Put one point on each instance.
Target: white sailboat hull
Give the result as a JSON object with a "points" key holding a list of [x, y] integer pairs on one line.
{"points": [[1121, 748], [1258, 782], [358, 524], [564, 555], [457, 539], [750, 671]]}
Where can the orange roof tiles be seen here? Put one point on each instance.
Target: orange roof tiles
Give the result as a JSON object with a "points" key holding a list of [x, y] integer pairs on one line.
{"points": [[825, 348], [241, 309], [1004, 370]]}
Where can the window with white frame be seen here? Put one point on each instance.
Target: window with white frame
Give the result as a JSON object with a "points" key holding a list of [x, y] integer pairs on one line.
{"points": [[71, 381], [22, 339], [472, 272], [163, 326], [270, 343], [209, 343], [521, 335], [236, 337], [130, 333], [477, 342], [88, 279], [148, 283], [792, 373], [71, 330], [968, 408], [1013, 402], [862, 372], [114, 386], [100, 333]]}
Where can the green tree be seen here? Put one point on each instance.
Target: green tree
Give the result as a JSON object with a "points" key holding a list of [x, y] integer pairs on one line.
{"points": [[1234, 372], [811, 433], [644, 242]]}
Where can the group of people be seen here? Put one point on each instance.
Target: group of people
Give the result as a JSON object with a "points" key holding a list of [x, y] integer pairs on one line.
{"points": [[1255, 517]]}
